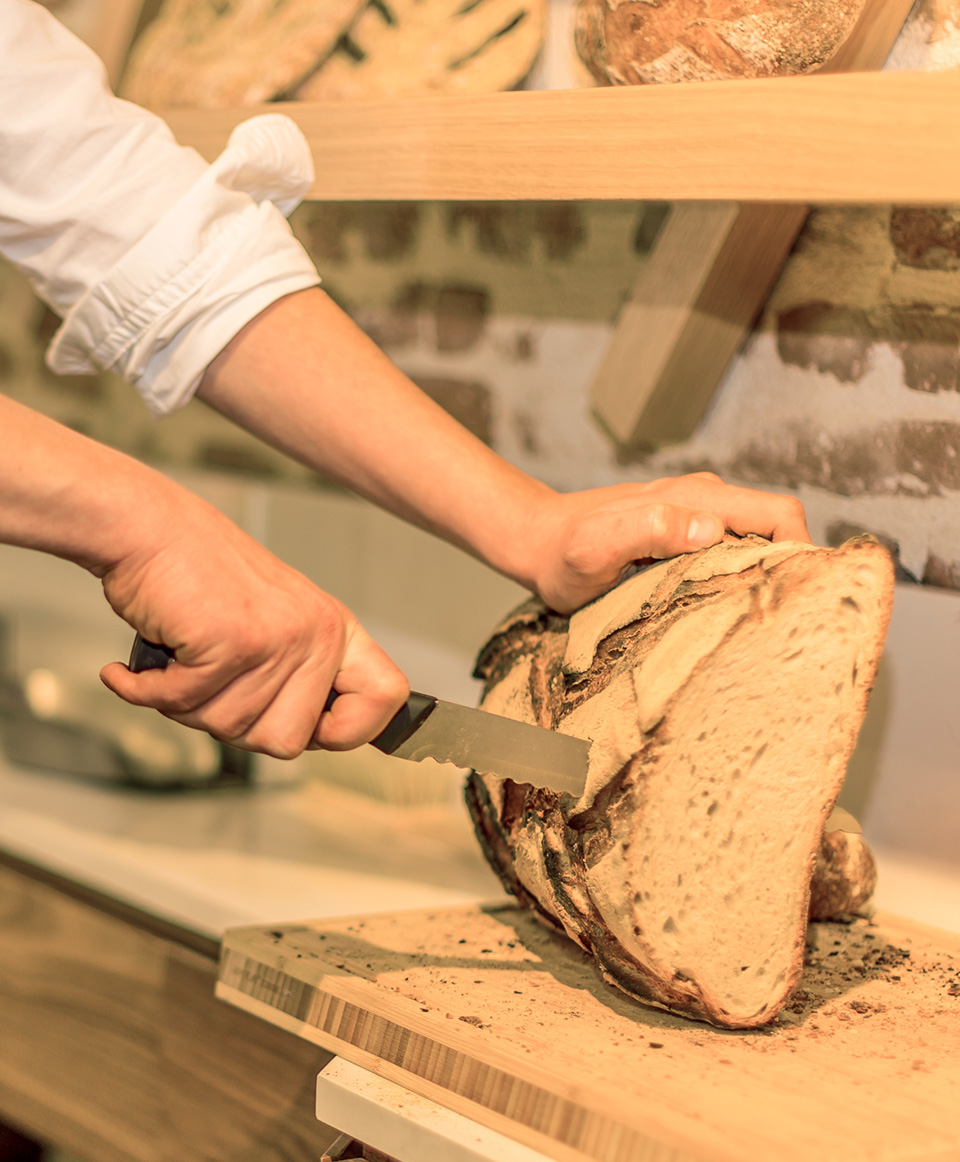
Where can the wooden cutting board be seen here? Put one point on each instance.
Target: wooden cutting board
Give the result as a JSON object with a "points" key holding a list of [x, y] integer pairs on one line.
{"points": [[493, 1015]]}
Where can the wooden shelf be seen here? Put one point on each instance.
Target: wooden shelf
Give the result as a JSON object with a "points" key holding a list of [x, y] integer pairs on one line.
{"points": [[855, 137]]}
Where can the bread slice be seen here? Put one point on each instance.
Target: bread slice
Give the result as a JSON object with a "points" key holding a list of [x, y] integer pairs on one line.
{"points": [[723, 691]]}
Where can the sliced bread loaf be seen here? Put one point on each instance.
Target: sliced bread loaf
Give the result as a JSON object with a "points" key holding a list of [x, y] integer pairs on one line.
{"points": [[723, 692]]}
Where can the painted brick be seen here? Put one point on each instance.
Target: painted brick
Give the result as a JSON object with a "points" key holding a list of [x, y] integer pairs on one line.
{"points": [[387, 230], [842, 530], [45, 325], [507, 229], [225, 456], [652, 217], [931, 366], [86, 387], [391, 328], [937, 571], [518, 297], [911, 458], [926, 238], [826, 337], [459, 311], [838, 339], [527, 433]]}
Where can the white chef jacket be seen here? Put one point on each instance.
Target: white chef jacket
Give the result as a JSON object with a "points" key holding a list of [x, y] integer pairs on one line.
{"points": [[153, 258]]}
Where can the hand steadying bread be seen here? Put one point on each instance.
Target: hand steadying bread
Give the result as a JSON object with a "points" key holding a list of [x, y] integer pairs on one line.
{"points": [[723, 691]]}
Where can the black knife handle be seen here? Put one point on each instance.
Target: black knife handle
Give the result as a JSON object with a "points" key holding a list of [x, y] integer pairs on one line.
{"points": [[406, 720], [148, 656], [152, 656]]}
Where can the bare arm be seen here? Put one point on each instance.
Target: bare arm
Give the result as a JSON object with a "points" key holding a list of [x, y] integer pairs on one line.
{"points": [[306, 379]]}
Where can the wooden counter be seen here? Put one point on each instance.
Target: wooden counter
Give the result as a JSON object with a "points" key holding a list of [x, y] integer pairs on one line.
{"points": [[112, 905], [114, 1046]]}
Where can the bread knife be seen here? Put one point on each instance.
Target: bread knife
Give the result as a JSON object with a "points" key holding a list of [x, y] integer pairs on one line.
{"points": [[427, 727]]}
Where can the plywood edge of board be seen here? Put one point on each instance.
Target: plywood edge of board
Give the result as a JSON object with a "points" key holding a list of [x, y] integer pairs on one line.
{"points": [[668, 353], [459, 1066]]}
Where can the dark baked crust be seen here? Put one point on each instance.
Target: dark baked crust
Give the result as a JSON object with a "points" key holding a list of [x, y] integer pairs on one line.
{"points": [[629, 42], [844, 877]]}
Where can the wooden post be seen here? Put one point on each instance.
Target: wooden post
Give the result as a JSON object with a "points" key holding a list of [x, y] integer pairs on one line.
{"points": [[708, 276]]}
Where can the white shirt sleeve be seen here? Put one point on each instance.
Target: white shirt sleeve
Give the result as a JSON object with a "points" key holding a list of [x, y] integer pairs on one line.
{"points": [[154, 259]]}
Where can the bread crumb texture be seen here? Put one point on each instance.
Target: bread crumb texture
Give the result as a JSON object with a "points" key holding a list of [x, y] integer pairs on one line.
{"points": [[723, 692]]}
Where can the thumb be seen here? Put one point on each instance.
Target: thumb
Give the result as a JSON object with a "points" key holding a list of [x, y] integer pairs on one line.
{"points": [[125, 684]]}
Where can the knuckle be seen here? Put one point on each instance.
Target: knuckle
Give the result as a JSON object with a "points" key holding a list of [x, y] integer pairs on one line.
{"points": [[285, 748], [794, 506], [659, 520], [393, 689]]}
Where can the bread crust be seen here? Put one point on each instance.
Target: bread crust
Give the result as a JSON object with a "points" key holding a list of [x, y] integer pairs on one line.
{"points": [[631, 42], [844, 877], [633, 672]]}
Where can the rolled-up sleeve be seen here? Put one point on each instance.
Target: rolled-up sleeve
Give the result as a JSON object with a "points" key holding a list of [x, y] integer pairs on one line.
{"points": [[153, 258]]}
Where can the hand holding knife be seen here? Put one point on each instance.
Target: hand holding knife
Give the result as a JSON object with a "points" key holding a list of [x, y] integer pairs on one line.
{"points": [[427, 727]]}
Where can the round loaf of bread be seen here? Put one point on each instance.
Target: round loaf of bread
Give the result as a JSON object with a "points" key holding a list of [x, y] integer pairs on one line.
{"points": [[636, 42], [722, 692], [207, 53]]}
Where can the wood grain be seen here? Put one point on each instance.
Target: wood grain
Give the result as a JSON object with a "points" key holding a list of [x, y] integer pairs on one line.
{"points": [[860, 138], [114, 1047], [648, 390], [490, 1014]]}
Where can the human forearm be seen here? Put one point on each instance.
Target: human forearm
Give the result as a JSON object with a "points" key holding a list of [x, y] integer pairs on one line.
{"points": [[305, 378], [65, 494]]}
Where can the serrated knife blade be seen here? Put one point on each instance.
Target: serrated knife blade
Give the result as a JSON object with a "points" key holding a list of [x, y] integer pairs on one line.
{"points": [[494, 745]]}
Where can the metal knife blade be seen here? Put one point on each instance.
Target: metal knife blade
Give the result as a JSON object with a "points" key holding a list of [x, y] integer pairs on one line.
{"points": [[426, 727], [494, 745]]}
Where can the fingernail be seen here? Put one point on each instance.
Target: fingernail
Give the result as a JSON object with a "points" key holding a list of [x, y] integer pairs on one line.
{"points": [[704, 530]]}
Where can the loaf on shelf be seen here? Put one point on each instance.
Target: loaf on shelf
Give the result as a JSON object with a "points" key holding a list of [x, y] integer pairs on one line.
{"points": [[633, 42], [723, 692], [206, 54]]}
